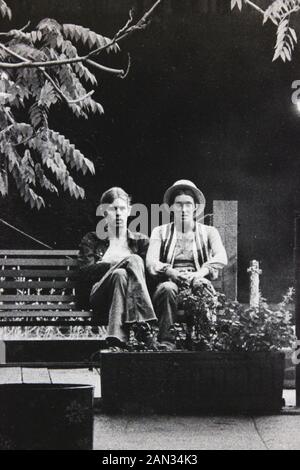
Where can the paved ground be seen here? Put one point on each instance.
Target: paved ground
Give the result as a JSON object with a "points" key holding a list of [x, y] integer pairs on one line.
{"points": [[197, 433], [173, 432]]}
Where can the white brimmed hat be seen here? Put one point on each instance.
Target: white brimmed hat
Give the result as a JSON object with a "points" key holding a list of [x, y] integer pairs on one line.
{"points": [[183, 185]]}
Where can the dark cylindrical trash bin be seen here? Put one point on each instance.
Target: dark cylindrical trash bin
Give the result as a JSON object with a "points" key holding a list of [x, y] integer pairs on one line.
{"points": [[46, 416]]}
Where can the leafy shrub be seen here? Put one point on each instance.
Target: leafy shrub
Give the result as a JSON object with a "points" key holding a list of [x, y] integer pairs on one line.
{"points": [[215, 323]]}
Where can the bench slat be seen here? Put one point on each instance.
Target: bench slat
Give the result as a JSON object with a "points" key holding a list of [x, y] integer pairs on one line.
{"points": [[36, 284], [54, 306], [57, 322], [45, 314], [36, 298], [37, 262], [45, 273], [39, 252], [40, 269]]}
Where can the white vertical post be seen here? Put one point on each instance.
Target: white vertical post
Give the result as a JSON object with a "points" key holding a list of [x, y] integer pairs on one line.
{"points": [[225, 219], [255, 272], [2, 352]]}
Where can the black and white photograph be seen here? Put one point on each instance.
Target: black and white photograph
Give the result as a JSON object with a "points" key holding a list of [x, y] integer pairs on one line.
{"points": [[149, 227]]}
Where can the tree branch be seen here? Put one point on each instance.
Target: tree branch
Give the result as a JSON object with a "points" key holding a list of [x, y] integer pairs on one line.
{"points": [[150, 12], [125, 33], [129, 23], [129, 30], [13, 54], [8, 115], [52, 63], [128, 67], [118, 72], [256, 7], [61, 94], [12, 32], [262, 12]]}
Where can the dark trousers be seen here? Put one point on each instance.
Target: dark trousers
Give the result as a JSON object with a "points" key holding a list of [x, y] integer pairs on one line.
{"points": [[166, 308]]}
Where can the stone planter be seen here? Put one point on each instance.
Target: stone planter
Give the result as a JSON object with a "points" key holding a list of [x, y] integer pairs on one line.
{"points": [[192, 382], [46, 417]]}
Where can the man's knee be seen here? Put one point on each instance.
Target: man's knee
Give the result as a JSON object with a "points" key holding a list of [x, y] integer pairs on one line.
{"points": [[136, 260], [119, 275], [167, 289]]}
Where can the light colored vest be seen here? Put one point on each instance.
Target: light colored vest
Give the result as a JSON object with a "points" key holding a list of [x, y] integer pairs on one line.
{"points": [[201, 248]]}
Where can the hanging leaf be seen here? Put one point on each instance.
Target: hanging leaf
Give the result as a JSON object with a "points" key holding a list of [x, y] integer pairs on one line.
{"points": [[286, 40], [236, 3], [71, 154], [43, 180], [87, 37], [5, 10], [38, 116]]}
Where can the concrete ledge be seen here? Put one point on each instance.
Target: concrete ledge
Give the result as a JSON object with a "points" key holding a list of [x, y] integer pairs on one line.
{"points": [[290, 411]]}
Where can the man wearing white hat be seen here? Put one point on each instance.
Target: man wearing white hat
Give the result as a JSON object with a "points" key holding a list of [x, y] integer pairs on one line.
{"points": [[184, 252]]}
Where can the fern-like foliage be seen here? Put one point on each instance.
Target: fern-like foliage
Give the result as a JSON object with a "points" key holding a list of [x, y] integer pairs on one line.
{"points": [[280, 12], [87, 37], [286, 40], [37, 158]]}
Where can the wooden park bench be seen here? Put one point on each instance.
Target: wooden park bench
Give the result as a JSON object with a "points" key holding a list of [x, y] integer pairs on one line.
{"points": [[37, 286]]}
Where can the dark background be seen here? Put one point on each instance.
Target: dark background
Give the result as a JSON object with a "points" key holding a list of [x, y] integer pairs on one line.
{"points": [[203, 101]]}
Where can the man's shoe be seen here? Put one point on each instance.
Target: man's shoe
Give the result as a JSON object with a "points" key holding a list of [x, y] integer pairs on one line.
{"points": [[113, 349], [167, 346], [115, 343]]}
